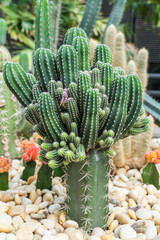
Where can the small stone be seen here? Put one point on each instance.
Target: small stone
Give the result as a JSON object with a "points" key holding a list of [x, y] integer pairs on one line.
{"points": [[6, 197], [49, 237], [17, 222], [108, 237], [54, 207], [5, 219], [132, 214], [42, 230], [48, 198], [151, 189], [43, 205], [6, 227], [133, 194], [141, 236], [16, 164], [2, 236], [11, 204], [17, 199], [3, 207], [110, 219], [24, 234], [119, 184], [127, 232], [59, 200], [16, 210], [62, 218], [131, 203], [94, 238], [151, 199], [62, 236], [123, 177], [26, 201], [11, 236], [113, 225], [151, 231], [50, 224], [143, 214], [156, 207], [31, 208], [25, 217], [33, 196], [121, 171], [38, 200], [31, 179], [122, 218], [98, 232], [37, 215], [70, 223], [56, 189], [141, 191], [31, 225]]}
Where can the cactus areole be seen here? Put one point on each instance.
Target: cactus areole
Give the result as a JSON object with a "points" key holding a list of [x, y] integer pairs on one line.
{"points": [[80, 111]]}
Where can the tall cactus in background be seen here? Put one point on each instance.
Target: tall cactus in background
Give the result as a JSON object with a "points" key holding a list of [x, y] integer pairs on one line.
{"points": [[110, 37], [9, 143], [80, 113], [23, 61], [119, 57]]}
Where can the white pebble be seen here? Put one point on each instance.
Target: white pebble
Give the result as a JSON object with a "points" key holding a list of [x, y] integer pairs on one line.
{"points": [[123, 177], [151, 231], [143, 214], [59, 200], [127, 232], [2, 236], [11, 236], [54, 207]]}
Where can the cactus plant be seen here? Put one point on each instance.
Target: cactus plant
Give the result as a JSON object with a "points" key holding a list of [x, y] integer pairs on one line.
{"points": [[110, 37], [23, 61], [119, 57], [9, 143], [79, 117]]}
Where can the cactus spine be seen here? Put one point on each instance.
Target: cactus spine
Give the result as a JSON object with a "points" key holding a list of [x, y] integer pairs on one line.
{"points": [[80, 117]]}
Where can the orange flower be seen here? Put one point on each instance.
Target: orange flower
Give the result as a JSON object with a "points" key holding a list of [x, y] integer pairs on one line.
{"points": [[32, 152], [25, 157], [5, 164], [27, 143], [153, 157]]}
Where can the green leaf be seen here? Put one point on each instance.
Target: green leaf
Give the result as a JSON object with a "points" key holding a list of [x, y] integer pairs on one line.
{"points": [[150, 175], [44, 180], [29, 170], [4, 181]]}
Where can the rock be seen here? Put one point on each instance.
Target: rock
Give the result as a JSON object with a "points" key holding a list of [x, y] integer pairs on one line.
{"points": [[59, 228], [31, 179], [151, 199], [98, 232], [132, 214], [54, 207], [26, 201], [110, 219], [6, 227], [6, 197], [134, 195], [127, 232], [5, 219], [11, 236], [42, 230], [38, 200], [108, 237], [122, 218], [37, 215], [156, 207], [31, 208], [24, 234], [131, 203], [11, 204], [113, 225], [43, 205], [150, 232], [62, 236], [3, 207], [143, 214], [33, 196], [140, 190], [123, 177], [16, 210], [17, 199], [50, 224], [31, 225], [141, 236], [48, 197], [49, 237], [151, 189], [17, 222], [59, 200], [70, 223], [56, 189], [94, 238], [120, 184], [121, 171], [2, 236]]}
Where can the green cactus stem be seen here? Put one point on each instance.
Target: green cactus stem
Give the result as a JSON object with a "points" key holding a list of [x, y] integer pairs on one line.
{"points": [[73, 33], [43, 31], [110, 37], [4, 181], [29, 170], [44, 179], [3, 31], [90, 16], [88, 190]]}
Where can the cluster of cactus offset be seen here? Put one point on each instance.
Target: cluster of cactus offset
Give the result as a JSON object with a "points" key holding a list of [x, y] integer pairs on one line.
{"points": [[80, 110], [9, 143]]}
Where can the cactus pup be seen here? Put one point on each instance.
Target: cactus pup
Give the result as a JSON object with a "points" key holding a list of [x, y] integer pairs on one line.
{"points": [[80, 112]]}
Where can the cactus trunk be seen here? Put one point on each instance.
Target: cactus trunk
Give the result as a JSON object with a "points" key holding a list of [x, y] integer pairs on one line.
{"points": [[88, 190]]}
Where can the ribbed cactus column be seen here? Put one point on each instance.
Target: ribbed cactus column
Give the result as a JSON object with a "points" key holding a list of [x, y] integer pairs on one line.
{"points": [[88, 190]]}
